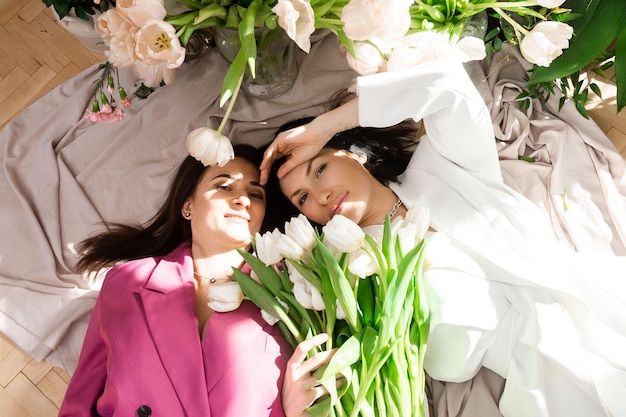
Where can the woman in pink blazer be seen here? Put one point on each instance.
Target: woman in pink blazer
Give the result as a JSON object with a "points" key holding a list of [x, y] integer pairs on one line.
{"points": [[156, 346]]}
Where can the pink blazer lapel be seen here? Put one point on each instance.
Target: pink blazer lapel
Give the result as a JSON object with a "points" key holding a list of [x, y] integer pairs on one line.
{"points": [[168, 300], [227, 337]]}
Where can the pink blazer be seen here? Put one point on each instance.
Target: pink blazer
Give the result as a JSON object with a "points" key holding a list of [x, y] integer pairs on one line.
{"points": [[143, 356]]}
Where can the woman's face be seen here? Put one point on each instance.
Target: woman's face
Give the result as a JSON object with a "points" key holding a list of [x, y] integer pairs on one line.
{"points": [[334, 182], [228, 205]]}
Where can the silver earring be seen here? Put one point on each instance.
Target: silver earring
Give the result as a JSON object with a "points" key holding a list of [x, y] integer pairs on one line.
{"points": [[187, 215]]}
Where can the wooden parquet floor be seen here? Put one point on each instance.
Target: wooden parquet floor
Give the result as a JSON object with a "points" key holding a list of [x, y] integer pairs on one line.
{"points": [[36, 54]]}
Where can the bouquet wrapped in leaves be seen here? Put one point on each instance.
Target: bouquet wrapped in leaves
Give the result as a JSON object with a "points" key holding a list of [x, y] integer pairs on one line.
{"points": [[365, 292]]}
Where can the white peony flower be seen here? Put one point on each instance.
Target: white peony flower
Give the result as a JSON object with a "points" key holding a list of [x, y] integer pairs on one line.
{"points": [[267, 247], [297, 18], [300, 229], [343, 234], [209, 147], [545, 42], [225, 297]]}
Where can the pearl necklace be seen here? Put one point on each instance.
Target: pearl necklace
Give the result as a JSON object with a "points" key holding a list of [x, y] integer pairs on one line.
{"points": [[394, 209]]}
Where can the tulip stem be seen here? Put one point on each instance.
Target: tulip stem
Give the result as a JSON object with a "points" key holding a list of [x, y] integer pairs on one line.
{"points": [[230, 105], [516, 26]]}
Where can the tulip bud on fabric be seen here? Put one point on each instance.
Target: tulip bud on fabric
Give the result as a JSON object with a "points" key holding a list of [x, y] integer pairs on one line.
{"points": [[225, 297], [300, 230], [343, 234], [209, 147], [545, 42], [267, 247]]}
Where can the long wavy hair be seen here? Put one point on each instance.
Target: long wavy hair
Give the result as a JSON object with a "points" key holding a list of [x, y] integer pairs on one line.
{"points": [[168, 229]]}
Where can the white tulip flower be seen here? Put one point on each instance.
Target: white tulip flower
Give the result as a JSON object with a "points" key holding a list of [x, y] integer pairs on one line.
{"points": [[300, 229], [209, 147], [361, 264], [343, 234], [545, 42], [267, 247], [297, 18], [271, 320], [225, 297], [289, 248]]}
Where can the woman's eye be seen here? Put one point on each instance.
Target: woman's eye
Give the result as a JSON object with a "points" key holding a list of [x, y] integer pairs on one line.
{"points": [[223, 187], [302, 199], [319, 170], [258, 196]]}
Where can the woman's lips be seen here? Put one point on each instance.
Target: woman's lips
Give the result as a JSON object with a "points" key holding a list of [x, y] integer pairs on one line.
{"points": [[337, 209]]}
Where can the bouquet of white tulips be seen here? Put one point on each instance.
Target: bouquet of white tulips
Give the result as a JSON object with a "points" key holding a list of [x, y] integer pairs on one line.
{"points": [[365, 292]]}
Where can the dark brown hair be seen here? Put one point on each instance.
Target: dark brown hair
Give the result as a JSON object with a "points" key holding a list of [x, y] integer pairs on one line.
{"points": [[167, 229]]}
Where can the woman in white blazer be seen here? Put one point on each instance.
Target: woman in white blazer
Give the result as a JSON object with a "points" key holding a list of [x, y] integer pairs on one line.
{"points": [[505, 293]]}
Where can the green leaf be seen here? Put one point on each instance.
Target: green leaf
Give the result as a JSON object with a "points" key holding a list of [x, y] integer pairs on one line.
{"points": [[394, 299], [246, 35], [233, 75], [367, 303], [341, 287], [620, 70], [213, 10], [267, 275], [347, 355], [263, 299], [607, 22]]}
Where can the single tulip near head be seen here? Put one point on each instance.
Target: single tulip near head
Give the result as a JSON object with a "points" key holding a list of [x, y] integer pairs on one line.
{"points": [[209, 147]]}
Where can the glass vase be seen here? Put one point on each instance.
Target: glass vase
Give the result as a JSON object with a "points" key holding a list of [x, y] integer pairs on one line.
{"points": [[276, 68]]}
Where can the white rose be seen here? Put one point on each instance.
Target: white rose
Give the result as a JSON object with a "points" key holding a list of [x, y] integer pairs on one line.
{"points": [[297, 18], [545, 42], [225, 297], [209, 147], [343, 234], [300, 229]]}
